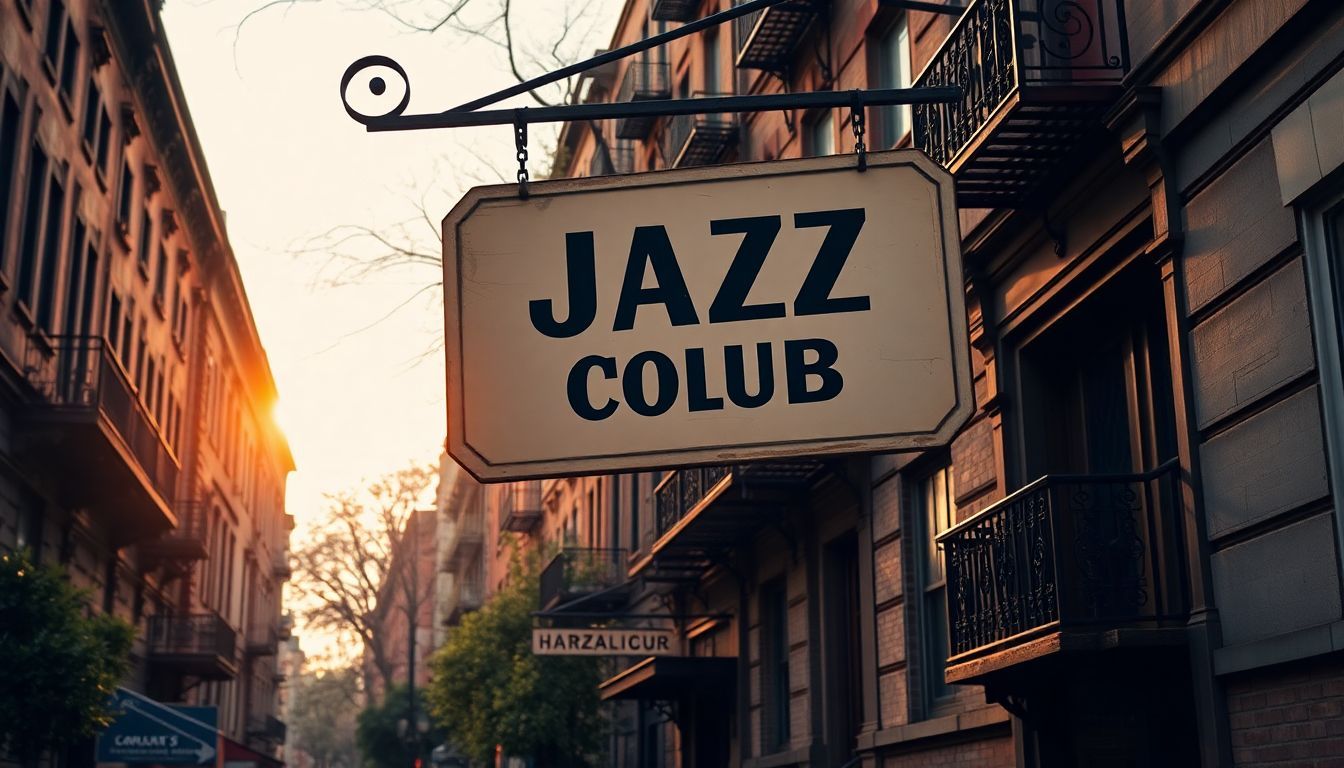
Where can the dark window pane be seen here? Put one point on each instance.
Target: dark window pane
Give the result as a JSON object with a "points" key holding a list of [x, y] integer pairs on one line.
{"points": [[32, 221], [9, 161]]}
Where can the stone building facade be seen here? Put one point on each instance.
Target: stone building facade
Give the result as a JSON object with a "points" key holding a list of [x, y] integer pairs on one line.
{"points": [[135, 428], [1131, 554]]}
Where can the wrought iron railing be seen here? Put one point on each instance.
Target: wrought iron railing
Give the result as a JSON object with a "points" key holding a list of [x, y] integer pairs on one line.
{"points": [[80, 373], [281, 568], [186, 542], [1065, 551], [1000, 47], [467, 594], [196, 634], [673, 10], [691, 140], [682, 491], [645, 79], [576, 571], [619, 158], [520, 506], [466, 533], [766, 38], [262, 639], [268, 727]]}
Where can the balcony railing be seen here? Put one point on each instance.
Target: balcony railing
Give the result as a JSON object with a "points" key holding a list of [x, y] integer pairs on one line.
{"points": [[767, 39], [262, 639], [465, 596], [674, 10], [644, 79], [622, 159], [578, 572], [268, 728], [200, 644], [691, 140], [522, 506], [281, 568], [465, 536], [91, 421], [1035, 76], [1065, 553], [187, 542]]}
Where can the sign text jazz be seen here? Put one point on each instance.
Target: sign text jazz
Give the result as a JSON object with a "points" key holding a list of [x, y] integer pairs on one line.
{"points": [[811, 365]]}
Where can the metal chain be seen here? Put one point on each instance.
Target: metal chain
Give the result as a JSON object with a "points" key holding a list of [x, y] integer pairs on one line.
{"points": [[856, 119], [520, 144]]}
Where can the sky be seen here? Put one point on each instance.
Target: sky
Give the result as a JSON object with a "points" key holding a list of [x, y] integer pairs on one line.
{"points": [[360, 378]]}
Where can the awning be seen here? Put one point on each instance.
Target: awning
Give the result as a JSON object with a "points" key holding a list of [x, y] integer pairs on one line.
{"points": [[668, 678], [239, 755]]}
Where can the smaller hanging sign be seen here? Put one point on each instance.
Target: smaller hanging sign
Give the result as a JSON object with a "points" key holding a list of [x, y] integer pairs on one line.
{"points": [[585, 641]]}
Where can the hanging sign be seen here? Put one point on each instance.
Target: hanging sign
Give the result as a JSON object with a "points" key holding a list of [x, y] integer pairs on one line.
{"points": [[707, 315], [148, 731], [548, 641]]}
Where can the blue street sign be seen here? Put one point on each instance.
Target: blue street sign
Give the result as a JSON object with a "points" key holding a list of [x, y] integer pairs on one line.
{"points": [[147, 731]]}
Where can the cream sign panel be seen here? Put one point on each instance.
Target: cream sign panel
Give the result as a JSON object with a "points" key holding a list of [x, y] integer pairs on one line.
{"points": [[707, 315]]}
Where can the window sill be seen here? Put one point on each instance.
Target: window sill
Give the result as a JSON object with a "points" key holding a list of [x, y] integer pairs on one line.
{"points": [[64, 98], [48, 69], [86, 150], [1291, 646], [24, 315]]}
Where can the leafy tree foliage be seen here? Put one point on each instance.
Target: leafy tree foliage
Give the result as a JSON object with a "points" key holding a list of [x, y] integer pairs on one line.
{"points": [[386, 736], [489, 689], [58, 665], [322, 720]]}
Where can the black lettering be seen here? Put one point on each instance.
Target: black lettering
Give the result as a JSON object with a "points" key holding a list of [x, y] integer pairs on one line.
{"points": [[662, 643], [797, 369], [578, 387], [579, 263], [544, 641], [730, 302], [574, 642], [814, 297], [633, 383], [650, 244], [736, 375], [696, 384], [587, 642]]}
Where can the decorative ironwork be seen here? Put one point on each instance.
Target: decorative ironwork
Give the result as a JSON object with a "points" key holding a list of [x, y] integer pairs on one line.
{"points": [[643, 81], [80, 374], [768, 37], [1003, 48], [521, 506], [200, 641], [619, 158], [1064, 551], [691, 140], [577, 571]]}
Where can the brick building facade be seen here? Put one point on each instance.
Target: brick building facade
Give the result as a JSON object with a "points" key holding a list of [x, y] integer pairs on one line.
{"points": [[136, 443], [1131, 553]]}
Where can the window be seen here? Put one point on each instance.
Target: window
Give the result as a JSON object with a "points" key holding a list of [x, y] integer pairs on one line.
{"points": [[96, 128], [125, 191], [712, 62], [932, 501], [75, 274], [55, 28], [69, 61], [146, 242], [890, 63], [114, 336], [774, 667], [161, 279], [10, 117], [821, 134], [1323, 245], [127, 339], [40, 243]]}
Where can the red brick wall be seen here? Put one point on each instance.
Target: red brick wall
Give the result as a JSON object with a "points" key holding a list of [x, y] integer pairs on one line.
{"points": [[972, 754], [1290, 716]]}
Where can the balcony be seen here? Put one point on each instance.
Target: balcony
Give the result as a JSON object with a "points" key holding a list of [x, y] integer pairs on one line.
{"points": [[267, 728], [643, 80], [88, 423], [201, 645], [281, 568], [1067, 564], [766, 39], [262, 640], [184, 544], [674, 10], [464, 538], [1036, 77], [622, 159], [521, 506], [576, 573], [466, 596], [702, 510], [692, 140]]}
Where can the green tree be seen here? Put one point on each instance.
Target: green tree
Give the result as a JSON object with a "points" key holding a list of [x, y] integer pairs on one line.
{"points": [[386, 732], [58, 665], [489, 689], [322, 721]]}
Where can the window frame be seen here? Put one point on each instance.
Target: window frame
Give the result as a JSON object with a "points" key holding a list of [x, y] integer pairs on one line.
{"points": [[1321, 225], [895, 123], [936, 695], [776, 734]]}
